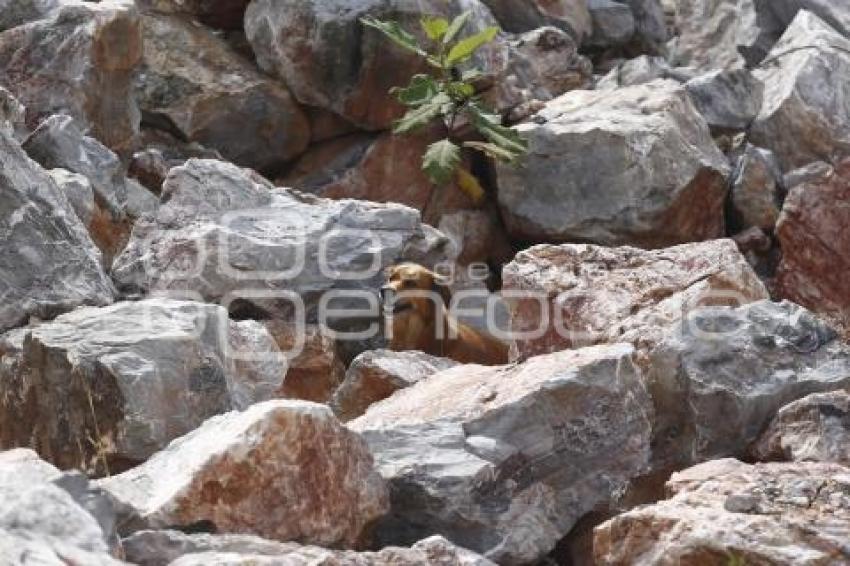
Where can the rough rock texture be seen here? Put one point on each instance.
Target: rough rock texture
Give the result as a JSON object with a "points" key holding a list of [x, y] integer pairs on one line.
{"points": [[14, 13], [49, 518], [570, 15], [813, 233], [727, 512], [387, 168], [48, 263], [316, 367], [79, 61], [504, 460], [801, 119], [815, 428], [744, 364], [757, 189], [727, 99], [532, 68], [191, 81], [222, 14], [286, 470], [152, 548], [594, 294], [78, 191], [377, 374], [613, 23], [776, 15], [228, 235], [650, 25], [815, 171], [641, 70], [598, 171], [717, 34], [321, 51], [104, 388], [476, 236], [13, 115]]}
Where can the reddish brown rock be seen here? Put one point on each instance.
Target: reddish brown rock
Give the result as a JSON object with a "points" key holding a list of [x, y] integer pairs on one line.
{"points": [[726, 512], [222, 14], [602, 295], [315, 368], [285, 470], [812, 232], [387, 168], [377, 374], [94, 46]]}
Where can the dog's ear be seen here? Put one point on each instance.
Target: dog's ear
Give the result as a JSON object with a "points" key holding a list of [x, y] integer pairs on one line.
{"points": [[441, 285]]}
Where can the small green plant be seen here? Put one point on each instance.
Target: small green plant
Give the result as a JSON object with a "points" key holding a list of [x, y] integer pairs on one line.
{"points": [[447, 95]]}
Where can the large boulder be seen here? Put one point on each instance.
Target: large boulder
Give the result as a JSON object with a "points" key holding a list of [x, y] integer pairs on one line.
{"points": [[190, 81], [800, 120], [598, 171], [757, 189], [50, 518], [505, 460], [154, 548], [650, 25], [48, 263], [328, 59], [814, 428], [719, 377], [230, 236], [93, 46], [574, 295], [285, 470], [776, 15], [570, 15], [812, 231], [727, 512], [613, 24], [102, 389], [729, 100], [377, 374]]}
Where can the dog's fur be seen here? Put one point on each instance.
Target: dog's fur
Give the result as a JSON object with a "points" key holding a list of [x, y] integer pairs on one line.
{"points": [[416, 316]]}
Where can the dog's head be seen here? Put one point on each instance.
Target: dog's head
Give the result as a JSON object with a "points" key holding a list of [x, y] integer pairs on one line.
{"points": [[411, 288]]}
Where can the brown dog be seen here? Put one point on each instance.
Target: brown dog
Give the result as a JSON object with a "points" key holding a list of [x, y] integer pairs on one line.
{"points": [[419, 320]]}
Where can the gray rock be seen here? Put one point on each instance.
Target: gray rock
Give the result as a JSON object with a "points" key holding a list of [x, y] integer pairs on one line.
{"points": [[814, 428], [377, 374], [45, 516], [613, 23], [48, 263], [806, 174], [228, 235], [505, 460], [717, 34], [221, 14], [59, 142], [727, 99], [777, 15], [719, 377], [140, 201], [802, 121], [152, 548], [190, 81], [598, 170], [757, 188], [286, 470], [76, 45], [14, 13], [102, 389], [78, 190], [534, 67], [298, 41], [650, 25], [12, 115], [570, 15], [641, 70]]}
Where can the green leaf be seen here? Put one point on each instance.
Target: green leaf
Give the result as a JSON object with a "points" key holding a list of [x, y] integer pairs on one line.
{"points": [[422, 115], [493, 151], [421, 90], [440, 161], [394, 32], [456, 26], [489, 125], [435, 28], [465, 48]]}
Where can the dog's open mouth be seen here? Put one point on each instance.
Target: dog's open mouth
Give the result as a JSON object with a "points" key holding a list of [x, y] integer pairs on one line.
{"points": [[398, 307]]}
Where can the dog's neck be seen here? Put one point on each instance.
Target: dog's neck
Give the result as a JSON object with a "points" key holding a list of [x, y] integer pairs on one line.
{"points": [[413, 331]]}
